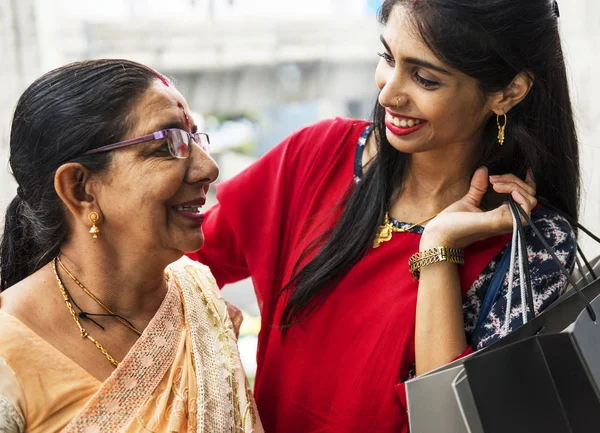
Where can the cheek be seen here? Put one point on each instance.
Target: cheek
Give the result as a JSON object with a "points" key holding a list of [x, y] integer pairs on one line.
{"points": [[145, 187]]}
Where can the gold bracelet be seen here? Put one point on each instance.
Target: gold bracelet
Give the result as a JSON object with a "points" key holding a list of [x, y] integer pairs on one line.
{"points": [[434, 255]]}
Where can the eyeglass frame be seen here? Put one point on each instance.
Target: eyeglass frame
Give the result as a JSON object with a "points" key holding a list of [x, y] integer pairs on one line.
{"points": [[158, 135]]}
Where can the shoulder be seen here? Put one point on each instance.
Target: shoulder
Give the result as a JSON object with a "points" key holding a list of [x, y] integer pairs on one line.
{"points": [[557, 232], [331, 126], [194, 273], [327, 134], [559, 235], [302, 156]]}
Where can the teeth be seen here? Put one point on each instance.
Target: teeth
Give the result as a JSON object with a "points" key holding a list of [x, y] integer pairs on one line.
{"points": [[188, 208], [403, 123]]}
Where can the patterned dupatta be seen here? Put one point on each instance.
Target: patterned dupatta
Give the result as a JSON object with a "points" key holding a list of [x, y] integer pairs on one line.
{"points": [[224, 401]]}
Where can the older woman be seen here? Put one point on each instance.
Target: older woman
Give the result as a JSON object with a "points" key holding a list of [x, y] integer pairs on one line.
{"points": [[326, 222], [99, 332]]}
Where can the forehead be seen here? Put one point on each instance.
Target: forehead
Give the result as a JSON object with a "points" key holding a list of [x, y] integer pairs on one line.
{"points": [[402, 36], [159, 105]]}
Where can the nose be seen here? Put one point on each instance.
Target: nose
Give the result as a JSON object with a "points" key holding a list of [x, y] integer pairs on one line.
{"points": [[392, 92], [202, 168]]}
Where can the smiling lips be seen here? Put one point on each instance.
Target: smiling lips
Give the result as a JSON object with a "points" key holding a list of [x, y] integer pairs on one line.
{"points": [[403, 125], [191, 210]]}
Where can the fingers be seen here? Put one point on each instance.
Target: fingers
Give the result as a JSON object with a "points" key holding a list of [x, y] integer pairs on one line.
{"points": [[236, 316], [479, 185], [518, 193], [523, 201], [528, 185]]}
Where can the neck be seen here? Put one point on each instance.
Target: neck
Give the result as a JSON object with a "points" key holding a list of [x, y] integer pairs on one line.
{"points": [[433, 181], [132, 285]]}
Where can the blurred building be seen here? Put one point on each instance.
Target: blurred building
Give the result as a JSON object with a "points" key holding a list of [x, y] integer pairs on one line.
{"points": [[285, 63]]}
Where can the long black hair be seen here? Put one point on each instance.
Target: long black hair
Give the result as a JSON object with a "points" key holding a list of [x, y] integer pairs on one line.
{"points": [[63, 114], [492, 41]]}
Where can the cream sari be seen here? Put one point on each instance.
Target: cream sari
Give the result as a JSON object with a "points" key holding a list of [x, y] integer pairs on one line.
{"points": [[183, 374]]}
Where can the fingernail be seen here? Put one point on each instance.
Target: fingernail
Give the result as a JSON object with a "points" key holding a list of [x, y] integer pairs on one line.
{"points": [[495, 176]]}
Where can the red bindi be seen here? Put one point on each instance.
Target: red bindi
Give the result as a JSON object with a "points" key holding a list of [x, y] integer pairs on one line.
{"points": [[161, 78], [187, 119]]}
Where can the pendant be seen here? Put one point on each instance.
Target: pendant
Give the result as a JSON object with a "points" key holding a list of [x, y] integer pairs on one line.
{"points": [[384, 235]]}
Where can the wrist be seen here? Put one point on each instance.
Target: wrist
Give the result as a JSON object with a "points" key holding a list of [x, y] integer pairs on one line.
{"points": [[434, 255], [431, 239]]}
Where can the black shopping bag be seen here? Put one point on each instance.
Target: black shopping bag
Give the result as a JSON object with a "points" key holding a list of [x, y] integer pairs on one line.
{"points": [[547, 383], [535, 379], [542, 377]]}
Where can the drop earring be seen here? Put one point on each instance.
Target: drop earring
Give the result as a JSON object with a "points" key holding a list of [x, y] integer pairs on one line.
{"points": [[94, 230], [501, 128]]}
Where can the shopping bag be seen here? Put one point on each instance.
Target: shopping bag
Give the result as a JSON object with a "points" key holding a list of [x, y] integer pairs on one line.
{"points": [[546, 383], [445, 401]]}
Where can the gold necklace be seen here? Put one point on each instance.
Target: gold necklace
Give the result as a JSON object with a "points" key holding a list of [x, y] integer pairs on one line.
{"points": [[98, 301], [385, 230], [82, 330]]}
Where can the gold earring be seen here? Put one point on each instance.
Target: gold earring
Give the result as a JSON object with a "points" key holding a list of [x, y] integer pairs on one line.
{"points": [[501, 127], [94, 230]]}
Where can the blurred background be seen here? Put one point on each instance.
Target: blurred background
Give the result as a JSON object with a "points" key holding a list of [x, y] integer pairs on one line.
{"points": [[253, 71]]}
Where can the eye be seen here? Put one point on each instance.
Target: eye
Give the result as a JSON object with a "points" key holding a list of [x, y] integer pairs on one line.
{"points": [[427, 84], [385, 56], [162, 150]]}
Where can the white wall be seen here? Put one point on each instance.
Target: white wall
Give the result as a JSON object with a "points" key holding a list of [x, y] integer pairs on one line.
{"points": [[580, 26]]}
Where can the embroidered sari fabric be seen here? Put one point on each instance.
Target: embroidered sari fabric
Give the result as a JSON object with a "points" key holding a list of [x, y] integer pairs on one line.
{"points": [[183, 374]]}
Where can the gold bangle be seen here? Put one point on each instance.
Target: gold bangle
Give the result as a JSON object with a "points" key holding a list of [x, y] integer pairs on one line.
{"points": [[434, 255]]}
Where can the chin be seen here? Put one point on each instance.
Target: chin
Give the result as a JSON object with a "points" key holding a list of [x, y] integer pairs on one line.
{"points": [[406, 144], [193, 244]]}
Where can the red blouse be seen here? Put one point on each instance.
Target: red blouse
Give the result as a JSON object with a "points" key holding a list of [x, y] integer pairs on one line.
{"points": [[340, 369]]}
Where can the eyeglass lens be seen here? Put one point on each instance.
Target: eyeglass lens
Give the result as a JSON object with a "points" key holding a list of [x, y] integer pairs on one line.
{"points": [[180, 142]]}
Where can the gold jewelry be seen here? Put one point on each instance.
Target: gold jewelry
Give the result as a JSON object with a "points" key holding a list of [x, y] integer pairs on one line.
{"points": [[501, 128], [98, 301], [82, 330], [434, 255], [385, 230], [94, 230]]}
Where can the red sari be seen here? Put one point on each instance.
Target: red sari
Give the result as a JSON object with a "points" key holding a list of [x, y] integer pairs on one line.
{"points": [[341, 368]]}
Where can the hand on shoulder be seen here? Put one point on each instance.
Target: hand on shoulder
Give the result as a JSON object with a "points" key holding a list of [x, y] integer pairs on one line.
{"points": [[464, 222]]}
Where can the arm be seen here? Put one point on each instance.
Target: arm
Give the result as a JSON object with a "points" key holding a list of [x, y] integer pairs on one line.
{"points": [[439, 329], [251, 229], [221, 251], [241, 231]]}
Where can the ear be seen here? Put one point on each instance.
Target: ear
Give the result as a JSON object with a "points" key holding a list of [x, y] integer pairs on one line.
{"points": [[74, 186], [503, 101]]}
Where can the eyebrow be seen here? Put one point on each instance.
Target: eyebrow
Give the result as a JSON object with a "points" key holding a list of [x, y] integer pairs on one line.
{"points": [[415, 61], [177, 125]]}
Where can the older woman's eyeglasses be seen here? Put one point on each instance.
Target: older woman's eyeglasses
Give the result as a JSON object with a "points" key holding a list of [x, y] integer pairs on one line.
{"points": [[179, 142]]}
